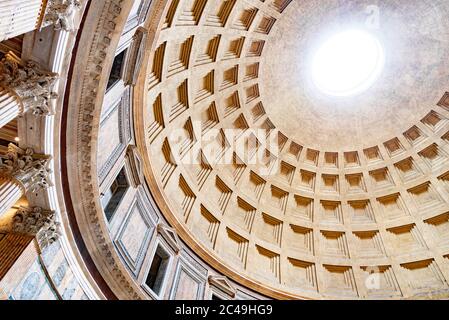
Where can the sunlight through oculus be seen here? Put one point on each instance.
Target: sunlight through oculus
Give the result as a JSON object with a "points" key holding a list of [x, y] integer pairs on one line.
{"points": [[348, 63]]}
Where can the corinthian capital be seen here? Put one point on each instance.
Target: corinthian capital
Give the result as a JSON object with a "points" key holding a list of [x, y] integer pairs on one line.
{"points": [[30, 83], [60, 13], [26, 167], [37, 222], [31, 220]]}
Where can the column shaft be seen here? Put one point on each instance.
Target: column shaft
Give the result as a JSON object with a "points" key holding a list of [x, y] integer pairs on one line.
{"points": [[10, 107], [10, 193], [19, 16]]}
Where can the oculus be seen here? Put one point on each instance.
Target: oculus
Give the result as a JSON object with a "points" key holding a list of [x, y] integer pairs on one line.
{"points": [[348, 63]]}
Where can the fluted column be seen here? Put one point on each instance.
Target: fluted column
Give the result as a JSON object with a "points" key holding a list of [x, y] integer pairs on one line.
{"points": [[10, 193], [10, 106], [21, 16], [21, 171], [24, 87]]}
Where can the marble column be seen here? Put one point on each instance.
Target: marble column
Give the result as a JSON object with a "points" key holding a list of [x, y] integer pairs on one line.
{"points": [[19, 16], [21, 171], [10, 107], [22, 16], [24, 87], [10, 193]]}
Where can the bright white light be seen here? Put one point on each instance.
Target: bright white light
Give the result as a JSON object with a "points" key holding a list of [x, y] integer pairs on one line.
{"points": [[348, 63]]}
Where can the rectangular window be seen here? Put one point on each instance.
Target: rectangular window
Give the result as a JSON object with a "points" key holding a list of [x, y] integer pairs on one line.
{"points": [[112, 197], [158, 269], [117, 69]]}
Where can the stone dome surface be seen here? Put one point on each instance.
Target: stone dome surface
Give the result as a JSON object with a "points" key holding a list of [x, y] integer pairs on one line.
{"points": [[355, 186]]}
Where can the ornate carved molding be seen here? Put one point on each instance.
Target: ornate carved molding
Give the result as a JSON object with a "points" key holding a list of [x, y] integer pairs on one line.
{"points": [[61, 13], [26, 167], [49, 233], [28, 81], [37, 222], [30, 220]]}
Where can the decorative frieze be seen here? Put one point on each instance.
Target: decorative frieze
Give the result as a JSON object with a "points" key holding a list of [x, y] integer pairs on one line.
{"points": [[82, 156]]}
